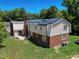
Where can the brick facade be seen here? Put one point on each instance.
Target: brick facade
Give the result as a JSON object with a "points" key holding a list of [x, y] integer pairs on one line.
{"points": [[54, 41]]}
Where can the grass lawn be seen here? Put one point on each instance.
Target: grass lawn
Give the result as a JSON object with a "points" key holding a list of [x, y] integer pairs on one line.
{"points": [[16, 49]]}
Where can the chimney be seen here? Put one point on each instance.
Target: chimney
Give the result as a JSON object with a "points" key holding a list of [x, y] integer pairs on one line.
{"points": [[25, 29], [11, 29]]}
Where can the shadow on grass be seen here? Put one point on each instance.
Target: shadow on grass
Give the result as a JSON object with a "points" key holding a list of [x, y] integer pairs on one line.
{"points": [[2, 46], [38, 43]]}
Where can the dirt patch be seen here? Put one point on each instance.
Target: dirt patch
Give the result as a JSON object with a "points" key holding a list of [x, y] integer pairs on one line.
{"points": [[75, 57], [20, 37]]}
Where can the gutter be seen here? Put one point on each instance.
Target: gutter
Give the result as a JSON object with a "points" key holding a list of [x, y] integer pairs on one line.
{"points": [[47, 37], [28, 30]]}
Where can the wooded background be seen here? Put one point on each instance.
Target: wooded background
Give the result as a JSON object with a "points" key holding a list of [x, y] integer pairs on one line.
{"points": [[71, 14]]}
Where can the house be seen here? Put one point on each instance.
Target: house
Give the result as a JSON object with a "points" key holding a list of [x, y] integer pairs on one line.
{"points": [[50, 32], [53, 32], [18, 28]]}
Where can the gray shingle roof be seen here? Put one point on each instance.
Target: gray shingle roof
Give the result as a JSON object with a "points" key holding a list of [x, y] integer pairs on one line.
{"points": [[36, 21], [44, 21]]}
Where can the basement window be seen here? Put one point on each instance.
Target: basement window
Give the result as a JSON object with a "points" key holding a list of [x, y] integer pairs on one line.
{"points": [[64, 37]]}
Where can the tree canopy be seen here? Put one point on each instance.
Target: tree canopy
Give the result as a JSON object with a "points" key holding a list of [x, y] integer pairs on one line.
{"points": [[3, 32], [71, 14]]}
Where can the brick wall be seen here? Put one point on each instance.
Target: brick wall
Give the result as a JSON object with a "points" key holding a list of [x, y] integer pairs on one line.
{"points": [[54, 41], [57, 41]]}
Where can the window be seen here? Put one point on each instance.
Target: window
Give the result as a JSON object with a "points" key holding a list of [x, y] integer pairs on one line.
{"points": [[54, 25], [36, 35], [44, 39], [65, 28], [40, 27], [31, 34], [39, 36], [64, 37], [35, 26]]}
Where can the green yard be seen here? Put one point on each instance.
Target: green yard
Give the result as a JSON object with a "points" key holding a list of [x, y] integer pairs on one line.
{"points": [[16, 49]]}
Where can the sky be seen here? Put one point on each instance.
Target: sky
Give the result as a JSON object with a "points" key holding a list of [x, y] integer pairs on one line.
{"points": [[33, 6]]}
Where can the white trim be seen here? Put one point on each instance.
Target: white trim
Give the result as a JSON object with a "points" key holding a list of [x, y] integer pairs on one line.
{"points": [[62, 20], [65, 21]]}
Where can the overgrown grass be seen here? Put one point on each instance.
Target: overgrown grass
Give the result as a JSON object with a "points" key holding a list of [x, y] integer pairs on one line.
{"points": [[16, 49]]}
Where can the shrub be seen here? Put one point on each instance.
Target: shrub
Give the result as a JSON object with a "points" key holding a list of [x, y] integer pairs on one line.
{"points": [[3, 32]]}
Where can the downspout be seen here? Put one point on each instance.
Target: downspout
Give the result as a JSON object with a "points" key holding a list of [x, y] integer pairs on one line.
{"points": [[24, 30], [46, 36], [28, 30]]}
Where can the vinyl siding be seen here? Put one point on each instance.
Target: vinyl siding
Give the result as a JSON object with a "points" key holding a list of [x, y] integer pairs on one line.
{"points": [[51, 29], [31, 28], [18, 27], [58, 29]]}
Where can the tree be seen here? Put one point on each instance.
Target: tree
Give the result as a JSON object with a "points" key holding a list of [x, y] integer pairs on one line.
{"points": [[73, 11], [72, 6], [33, 15], [2, 15], [43, 13], [16, 14], [61, 14], [19, 13], [52, 11], [3, 33]]}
